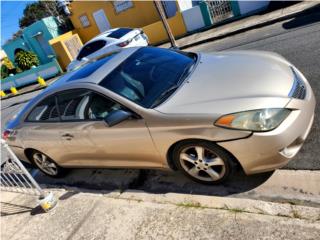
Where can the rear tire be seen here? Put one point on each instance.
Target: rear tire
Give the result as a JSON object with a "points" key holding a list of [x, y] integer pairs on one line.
{"points": [[47, 165], [203, 161]]}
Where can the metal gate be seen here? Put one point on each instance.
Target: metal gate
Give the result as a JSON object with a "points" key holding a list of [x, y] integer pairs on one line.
{"points": [[73, 45], [220, 10], [14, 177]]}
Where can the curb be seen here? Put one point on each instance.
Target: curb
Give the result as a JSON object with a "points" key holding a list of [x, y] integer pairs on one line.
{"points": [[49, 82], [236, 205], [310, 8], [22, 93]]}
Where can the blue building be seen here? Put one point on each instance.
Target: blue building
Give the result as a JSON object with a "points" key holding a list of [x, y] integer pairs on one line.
{"points": [[35, 38]]}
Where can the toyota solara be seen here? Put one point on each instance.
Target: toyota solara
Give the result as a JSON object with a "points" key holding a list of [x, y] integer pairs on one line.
{"points": [[203, 114]]}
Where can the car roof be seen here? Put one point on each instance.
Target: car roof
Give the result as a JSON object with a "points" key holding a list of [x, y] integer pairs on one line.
{"points": [[95, 70]]}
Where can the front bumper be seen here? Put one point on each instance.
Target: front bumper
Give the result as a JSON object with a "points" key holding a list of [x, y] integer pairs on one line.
{"points": [[267, 151]]}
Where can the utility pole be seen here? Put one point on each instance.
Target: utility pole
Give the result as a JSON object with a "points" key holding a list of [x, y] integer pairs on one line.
{"points": [[159, 6]]}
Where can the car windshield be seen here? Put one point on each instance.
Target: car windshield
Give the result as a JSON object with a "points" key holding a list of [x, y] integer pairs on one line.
{"points": [[150, 75]]}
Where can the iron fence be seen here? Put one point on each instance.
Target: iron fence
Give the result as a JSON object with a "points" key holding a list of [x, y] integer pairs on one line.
{"points": [[220, 10], [14, 177]]}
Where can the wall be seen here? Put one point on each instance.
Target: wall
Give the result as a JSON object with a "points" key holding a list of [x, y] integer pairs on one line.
{"points": [[247, 7], [52, 25], [157, 33], [11, 46], [46, 71], [47, 28], [193, 19], [64, 56], [30, 33], [141, 14]]}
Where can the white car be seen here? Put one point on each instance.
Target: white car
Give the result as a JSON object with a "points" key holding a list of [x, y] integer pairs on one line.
{"points": [[108, 42]]}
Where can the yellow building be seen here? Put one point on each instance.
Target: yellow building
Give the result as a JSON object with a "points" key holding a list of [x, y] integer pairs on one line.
{"points": [[90, 18], [93, 17]]}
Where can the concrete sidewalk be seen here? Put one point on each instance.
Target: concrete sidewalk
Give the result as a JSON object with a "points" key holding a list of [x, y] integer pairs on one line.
{"points": [[245, 24], [285, 206], [139, 215]]}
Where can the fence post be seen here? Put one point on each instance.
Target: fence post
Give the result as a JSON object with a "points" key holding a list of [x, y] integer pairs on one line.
{"points": [[205, 13], [235, 8]]}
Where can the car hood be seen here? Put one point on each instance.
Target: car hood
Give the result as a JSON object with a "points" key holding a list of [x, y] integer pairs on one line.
{"points": [[233, 81]]}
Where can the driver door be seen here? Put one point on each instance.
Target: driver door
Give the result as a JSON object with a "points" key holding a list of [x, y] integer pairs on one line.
{"points": [[94, 144]]}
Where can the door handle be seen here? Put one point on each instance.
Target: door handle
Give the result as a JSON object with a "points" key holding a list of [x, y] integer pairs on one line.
{"points": [[67, 136]]}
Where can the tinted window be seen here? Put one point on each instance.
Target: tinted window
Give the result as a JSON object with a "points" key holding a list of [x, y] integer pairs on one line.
{"points": [[91, 48], [82, 104], [148, 74], [119, 33], [46, 110]]}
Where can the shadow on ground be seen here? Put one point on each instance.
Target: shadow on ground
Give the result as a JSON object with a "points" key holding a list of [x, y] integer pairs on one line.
{"points": [[153, 181], [303, 20]]}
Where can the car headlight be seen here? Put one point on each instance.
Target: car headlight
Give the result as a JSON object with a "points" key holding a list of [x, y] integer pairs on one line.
{"points": [[255, 120]]}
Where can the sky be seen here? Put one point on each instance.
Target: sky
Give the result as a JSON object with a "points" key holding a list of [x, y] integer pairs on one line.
{"points": [[11, 11]]}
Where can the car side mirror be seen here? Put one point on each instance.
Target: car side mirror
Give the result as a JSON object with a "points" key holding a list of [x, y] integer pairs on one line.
{"points": [[116, 117]]}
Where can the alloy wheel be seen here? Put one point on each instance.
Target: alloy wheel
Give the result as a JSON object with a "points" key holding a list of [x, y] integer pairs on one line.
{"points": [[202, 163], [45, 164]]}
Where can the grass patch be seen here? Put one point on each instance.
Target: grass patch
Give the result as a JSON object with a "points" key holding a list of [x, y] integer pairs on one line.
{"points": [[190, 205]]}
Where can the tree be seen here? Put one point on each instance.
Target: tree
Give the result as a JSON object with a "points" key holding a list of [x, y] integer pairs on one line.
{"points": [[38, 10]]}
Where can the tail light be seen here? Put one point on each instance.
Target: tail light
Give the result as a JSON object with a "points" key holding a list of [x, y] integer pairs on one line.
{"points": [[125, 43], [7, 133]]}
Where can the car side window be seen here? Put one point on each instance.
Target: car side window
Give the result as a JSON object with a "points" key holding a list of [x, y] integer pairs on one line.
{"points": [[91, 48], [77, 105], [45, 111]]}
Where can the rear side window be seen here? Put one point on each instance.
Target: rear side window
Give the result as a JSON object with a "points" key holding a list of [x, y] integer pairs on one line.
{"points": [[45, 111], [119, 33], [81, 104], [91, 48]]}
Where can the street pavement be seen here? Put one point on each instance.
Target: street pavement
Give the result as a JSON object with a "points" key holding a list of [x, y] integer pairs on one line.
{"points": [[138, 215]]}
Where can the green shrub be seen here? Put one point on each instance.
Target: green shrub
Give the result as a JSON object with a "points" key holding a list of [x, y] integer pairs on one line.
{"points": [[4, 71], [7, 63], [25, 60]]}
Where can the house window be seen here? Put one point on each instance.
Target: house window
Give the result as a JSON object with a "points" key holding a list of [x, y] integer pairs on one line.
{"points": [[122, 5], [84, 20]]}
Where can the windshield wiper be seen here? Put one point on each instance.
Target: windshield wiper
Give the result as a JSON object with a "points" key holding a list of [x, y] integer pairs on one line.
{"points": [[164, 95], [170, 90]]}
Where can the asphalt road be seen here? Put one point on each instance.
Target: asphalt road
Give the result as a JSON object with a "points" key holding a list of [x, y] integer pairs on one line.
{"points": [[297, 39]]}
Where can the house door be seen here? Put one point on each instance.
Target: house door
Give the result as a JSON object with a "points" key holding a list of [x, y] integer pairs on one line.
{"points": [[101, 20]]}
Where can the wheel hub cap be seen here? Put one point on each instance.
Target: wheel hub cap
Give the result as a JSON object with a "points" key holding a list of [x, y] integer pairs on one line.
{"points": [[202, 163]]}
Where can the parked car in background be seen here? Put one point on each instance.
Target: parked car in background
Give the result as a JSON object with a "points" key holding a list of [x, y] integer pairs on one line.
{"points": [[108, 42], [146, 107]]}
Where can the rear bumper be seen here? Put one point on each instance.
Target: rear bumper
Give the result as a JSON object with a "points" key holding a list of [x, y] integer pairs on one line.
{"points": [[20, 153], [267, 151]]}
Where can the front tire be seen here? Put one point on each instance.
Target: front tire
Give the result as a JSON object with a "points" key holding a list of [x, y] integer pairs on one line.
{"points": [[46, 165], [203, 162]]}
